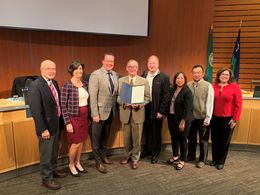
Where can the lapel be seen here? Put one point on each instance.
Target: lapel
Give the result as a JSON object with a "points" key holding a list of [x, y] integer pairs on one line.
{"points": [[105, 76], [138, 81], [114, 74], [180, 95], [46, 88]]}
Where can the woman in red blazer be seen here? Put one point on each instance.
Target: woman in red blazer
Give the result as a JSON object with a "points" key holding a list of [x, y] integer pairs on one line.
{"points": [[227, 109]]}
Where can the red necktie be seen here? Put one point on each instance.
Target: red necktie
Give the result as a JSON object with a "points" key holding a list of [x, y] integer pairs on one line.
{"points": [[55, 95]]}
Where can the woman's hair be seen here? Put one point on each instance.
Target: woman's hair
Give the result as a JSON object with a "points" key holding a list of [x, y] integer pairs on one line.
{"points": [[175, 78], [74, 65], [220, 71]]}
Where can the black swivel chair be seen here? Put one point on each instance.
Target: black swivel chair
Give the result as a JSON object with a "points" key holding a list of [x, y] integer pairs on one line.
{"points": [[21, 83]]}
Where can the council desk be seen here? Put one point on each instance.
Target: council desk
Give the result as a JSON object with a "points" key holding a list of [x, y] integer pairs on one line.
{"points": [[19, 144]]}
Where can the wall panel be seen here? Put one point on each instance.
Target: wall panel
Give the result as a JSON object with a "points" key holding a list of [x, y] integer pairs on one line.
{"points": [[227, 16], [178, 34]]}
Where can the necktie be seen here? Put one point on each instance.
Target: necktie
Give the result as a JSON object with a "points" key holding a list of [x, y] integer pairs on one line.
{"points": [[55, 95], [131, 82], [111, 82]]}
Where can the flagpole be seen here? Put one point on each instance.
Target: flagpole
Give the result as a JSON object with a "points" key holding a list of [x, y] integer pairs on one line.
{"points": [[241, 21]]}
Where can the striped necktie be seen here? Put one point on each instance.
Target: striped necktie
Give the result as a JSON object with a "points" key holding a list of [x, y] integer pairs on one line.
{"points": [[111, 82], [55, 95]]}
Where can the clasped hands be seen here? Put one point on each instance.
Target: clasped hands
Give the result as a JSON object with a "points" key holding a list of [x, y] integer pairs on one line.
{"points": [[135, 107]]}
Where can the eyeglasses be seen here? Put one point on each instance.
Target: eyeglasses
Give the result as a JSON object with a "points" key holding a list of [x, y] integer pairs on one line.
{"points": [[223, 74]]}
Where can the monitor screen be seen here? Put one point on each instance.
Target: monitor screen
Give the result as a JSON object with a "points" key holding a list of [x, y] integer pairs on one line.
{"points": [[257, 91]]}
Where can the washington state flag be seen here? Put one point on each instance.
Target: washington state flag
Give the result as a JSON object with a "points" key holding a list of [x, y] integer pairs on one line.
{"points": [[235, 60]]}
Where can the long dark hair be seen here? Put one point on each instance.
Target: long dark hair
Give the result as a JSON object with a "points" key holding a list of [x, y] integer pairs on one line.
{"points": [[175, 78]]}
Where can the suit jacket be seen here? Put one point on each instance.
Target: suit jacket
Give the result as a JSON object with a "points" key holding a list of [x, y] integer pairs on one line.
{"points": [[43, 106], [126, 113], [160, 95], [183, 104], [102, 101]]}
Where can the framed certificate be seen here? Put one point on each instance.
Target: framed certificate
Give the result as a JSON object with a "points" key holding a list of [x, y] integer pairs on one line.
{"points": [[132, 94]]}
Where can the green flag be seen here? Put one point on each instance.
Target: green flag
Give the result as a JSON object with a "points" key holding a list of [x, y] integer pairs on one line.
{"points": [[210, 56]]}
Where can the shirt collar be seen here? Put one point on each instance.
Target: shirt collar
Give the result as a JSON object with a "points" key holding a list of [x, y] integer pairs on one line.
{"points": [[153, 75], [47, 80]]}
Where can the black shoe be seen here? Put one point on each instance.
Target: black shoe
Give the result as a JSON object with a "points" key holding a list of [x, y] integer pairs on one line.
{"points": [[172, 161], [219, 166], [179, 166], [155, 158], [74, 174], [51, 184], [81, 171], [213, 163]]}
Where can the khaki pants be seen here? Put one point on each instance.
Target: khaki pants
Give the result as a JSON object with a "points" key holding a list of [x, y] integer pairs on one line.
{"points": [[132, 139]]}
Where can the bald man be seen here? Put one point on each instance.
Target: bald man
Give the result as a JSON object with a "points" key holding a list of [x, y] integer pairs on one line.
{"points": [[132, 115], [44, 102], [156, 109]]}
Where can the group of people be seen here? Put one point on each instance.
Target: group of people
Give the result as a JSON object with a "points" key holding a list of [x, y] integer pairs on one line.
{"points": [[81, 107], [195, 108]]}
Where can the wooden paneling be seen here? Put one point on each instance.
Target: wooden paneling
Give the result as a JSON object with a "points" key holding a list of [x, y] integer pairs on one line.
{"points": [[7, 155], [240, 134], [15, 58], [26, 143], [178, 34], [254, 132], [227, 16]]}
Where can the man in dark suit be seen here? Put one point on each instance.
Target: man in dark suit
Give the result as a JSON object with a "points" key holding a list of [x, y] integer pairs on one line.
{"points": [[157, 108], [44, 104], [102, 90]]}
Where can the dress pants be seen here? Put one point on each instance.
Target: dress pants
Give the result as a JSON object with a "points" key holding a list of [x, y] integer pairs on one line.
{"points": [[197, 125], [221, 135], [99, 136], [178, 138], [132, 139], [49, 150]]}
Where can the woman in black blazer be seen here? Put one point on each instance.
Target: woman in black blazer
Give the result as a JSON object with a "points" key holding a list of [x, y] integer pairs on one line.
{"points": [[179, 119]]}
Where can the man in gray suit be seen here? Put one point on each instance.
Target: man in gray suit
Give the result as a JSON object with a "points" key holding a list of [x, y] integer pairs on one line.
{"points": [[102, 90], [132, 115]]}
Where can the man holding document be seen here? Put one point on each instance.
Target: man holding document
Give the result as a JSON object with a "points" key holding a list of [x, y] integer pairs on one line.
{"points": [[134, 94]]}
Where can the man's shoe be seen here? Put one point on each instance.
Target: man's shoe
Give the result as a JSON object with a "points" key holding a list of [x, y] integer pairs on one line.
{"points": [[101, 168], [51, 184], [155, 158], [59, 174], [107, 161], [219, 166], [213, 163], [124, 161], [135, 164], [200, 164]]}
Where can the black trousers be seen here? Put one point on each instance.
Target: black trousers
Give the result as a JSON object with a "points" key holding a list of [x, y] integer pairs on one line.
{"points": [[49, 151], [99, 136], [197, 126], [178, 138], [221, 135], [153, 133]]}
